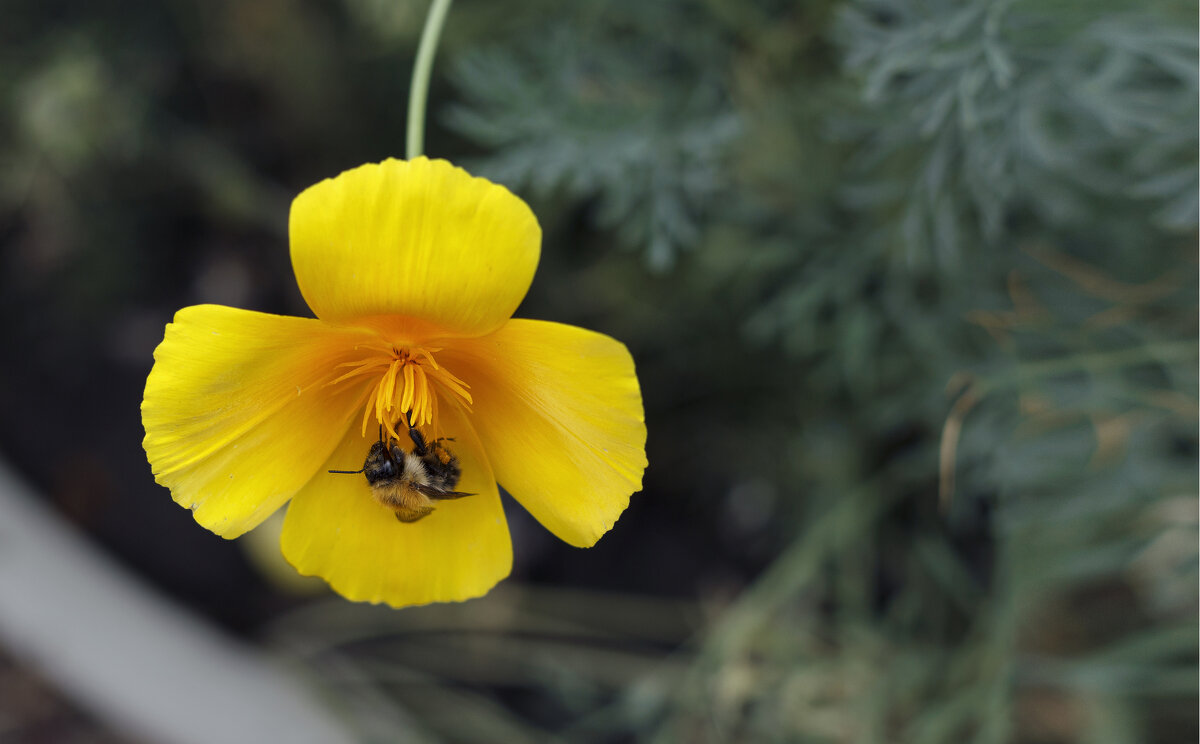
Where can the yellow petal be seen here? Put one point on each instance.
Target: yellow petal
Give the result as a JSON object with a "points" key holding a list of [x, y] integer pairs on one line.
{"points": [[559, 411], [420, 239], [336, 530], [236, 412]]}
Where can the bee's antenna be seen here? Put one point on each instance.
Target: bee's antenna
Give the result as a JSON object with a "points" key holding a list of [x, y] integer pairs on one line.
{"points": [[346, 472]]}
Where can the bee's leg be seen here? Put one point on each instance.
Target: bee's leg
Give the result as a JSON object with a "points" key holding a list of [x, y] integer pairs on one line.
{"points": [[397, 456], [419, 447]]}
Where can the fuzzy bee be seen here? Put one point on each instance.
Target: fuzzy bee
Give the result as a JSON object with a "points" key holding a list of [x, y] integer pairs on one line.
{"points": [[410, 483]]}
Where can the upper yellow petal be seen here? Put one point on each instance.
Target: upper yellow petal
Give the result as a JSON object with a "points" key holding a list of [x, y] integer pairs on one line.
{"points": [[559, 410], [237, 413], [335, 529], [420, 239]]}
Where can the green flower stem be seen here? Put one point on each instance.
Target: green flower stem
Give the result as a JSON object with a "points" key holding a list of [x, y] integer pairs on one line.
{"points": [[419, 92]]}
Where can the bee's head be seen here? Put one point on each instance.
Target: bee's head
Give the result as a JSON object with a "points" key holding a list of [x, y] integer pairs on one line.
{"points": [[383, 461]]}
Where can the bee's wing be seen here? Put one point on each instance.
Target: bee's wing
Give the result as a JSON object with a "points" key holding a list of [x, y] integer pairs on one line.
{"points": [[438, 494]]}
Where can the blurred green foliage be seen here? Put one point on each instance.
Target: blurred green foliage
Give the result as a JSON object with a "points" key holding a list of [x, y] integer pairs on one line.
{"points": [[912, 288]]}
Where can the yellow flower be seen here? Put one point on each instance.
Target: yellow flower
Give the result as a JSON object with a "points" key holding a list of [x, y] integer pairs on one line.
{"points": [[413, 270]]}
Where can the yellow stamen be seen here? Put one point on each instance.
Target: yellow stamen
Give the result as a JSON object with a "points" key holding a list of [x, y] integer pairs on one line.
{"points": [[409, 385]]}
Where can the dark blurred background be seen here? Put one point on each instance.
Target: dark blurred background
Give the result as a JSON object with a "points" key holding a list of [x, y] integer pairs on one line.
{"points": [[912, 290]]}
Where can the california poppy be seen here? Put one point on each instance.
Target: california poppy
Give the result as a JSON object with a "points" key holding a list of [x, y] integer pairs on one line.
{"points": [[413, 270]]}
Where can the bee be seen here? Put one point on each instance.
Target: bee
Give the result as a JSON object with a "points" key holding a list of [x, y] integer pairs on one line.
{"points": [[410, 483]]}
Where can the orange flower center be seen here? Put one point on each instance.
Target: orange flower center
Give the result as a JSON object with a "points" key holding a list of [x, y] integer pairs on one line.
{"points": [[409, 386]]}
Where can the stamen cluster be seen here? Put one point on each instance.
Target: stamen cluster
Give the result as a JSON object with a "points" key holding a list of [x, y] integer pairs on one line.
{"points": [[410, 380]]}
